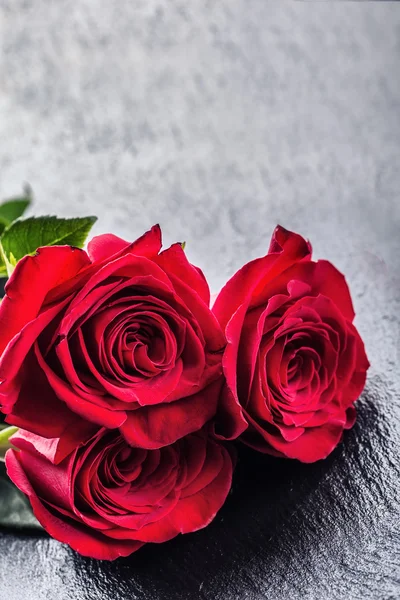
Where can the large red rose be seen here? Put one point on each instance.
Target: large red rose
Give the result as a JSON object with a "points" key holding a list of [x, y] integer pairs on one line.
{"points": [[294, 363], [106, 499], [121, 336]]}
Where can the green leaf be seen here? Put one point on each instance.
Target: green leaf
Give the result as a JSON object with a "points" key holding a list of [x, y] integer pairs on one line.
{"points": [[12, 209], [3, 224], [15, 510], [24, 236]]}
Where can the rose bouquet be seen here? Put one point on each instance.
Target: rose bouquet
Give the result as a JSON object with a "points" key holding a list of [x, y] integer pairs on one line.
{"points": [[124, 389]]}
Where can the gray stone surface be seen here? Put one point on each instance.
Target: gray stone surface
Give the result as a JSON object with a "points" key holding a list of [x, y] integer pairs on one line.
{"points": [[218, 120]]}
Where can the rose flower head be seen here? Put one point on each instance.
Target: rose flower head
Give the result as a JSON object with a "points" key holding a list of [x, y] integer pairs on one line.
{"points": [[294, 363], [106, 499], [120, 336]]}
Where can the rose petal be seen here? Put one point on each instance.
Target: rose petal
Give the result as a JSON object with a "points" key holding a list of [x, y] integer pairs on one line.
{"points": [[196, 511], [174, 262], [86, 542], [103, 247], [30, 282], [163, 424], [287, 249], [314, 444]]}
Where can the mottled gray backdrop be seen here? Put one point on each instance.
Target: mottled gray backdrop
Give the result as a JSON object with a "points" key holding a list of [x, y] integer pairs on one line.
{"points": [[218, 120]]}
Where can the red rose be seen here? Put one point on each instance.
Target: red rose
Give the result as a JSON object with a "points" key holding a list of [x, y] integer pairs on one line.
{"points": [[294, 363], [120, 336], [109, 498]]}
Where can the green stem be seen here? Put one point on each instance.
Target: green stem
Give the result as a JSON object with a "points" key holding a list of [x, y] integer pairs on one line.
{"points": [[5, 433]]}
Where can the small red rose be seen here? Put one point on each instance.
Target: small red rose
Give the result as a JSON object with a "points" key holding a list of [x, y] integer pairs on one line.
{"points": [[121, 337], [294, 362], [106, 499]]}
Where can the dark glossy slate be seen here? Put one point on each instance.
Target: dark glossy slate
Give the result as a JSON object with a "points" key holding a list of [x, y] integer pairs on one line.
{"points": [[220, 120]]}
